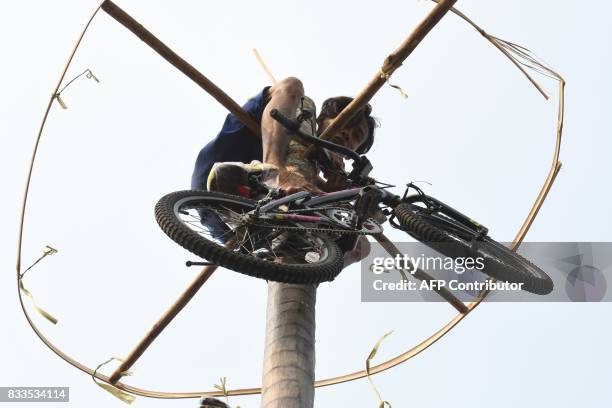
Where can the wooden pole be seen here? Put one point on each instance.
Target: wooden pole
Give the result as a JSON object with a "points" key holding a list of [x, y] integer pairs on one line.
{"points": [[186, 68], [161, 324], [289, 357], [288, 377], [391, 63]]}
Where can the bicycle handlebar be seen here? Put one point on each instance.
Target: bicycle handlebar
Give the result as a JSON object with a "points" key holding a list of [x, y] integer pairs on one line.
{"points": [[294, 127]]}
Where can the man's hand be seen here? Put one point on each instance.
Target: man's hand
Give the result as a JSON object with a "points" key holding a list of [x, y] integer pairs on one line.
{"points": [[293, 182], [335, 175]]}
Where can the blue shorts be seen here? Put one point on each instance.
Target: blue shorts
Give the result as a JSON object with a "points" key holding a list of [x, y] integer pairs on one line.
{"points": [[234, 143]]}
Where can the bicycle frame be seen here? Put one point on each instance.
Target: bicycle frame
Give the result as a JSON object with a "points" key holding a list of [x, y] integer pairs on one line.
{"points": [[304, 197], [434, 205], [359, 175]]}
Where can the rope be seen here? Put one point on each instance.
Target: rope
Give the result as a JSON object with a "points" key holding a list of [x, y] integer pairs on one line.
{"points": [[381, 402], [47, 251], [386, 76], [88, 74], [116, 392]]}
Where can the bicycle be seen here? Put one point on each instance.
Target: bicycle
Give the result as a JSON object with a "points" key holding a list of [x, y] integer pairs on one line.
{"points": [[300, 238]]}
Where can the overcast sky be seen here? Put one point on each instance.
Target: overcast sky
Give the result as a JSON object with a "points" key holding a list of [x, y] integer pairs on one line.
{"points": [[472, 126]]}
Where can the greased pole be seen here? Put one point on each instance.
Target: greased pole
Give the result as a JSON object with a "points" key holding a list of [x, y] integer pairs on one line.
{"points": [[288, 375]]}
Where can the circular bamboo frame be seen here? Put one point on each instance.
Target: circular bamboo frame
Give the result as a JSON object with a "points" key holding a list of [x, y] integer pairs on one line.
{"points": [[399, 359]]}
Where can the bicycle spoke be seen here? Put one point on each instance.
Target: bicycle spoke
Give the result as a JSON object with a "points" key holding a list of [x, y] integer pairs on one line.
{"points": [[269, 242]]}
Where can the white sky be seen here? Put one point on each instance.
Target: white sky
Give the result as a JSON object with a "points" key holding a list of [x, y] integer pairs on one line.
{"points": [[472, 126]]}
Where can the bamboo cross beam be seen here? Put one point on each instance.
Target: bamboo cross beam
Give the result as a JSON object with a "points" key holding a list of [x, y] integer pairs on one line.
{"points": [[421, 275], [161, 324], [391, 63], [186, 68]]}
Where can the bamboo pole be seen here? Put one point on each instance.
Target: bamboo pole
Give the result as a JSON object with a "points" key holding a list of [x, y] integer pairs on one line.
{"points": [[161, 324], [421, 275], [391, 63], [186, 68], [264, 66]]}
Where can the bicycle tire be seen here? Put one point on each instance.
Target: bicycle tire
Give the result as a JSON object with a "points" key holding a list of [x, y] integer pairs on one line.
{"points": [[166, 214], [499, 261]]}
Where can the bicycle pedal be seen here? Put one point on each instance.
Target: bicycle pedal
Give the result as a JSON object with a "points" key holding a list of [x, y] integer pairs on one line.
{"points": [[197, 263]]}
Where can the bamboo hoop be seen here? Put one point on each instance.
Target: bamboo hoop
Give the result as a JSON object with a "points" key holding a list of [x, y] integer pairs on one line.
{"points": [[399, 359]]}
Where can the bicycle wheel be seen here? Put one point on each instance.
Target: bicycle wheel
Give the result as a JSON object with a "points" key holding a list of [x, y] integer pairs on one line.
{"points": [[264, 251], [446, 236]]}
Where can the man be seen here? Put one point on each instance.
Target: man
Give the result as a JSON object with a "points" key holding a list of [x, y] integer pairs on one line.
{"points": [[235, 143]]}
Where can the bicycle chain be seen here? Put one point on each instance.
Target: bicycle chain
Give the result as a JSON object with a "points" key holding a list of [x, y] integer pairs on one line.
{"points": [[317, 209], [325, 230]]}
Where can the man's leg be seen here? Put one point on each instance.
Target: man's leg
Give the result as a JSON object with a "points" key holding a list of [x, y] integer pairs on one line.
{"points": [[284, 96]]}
